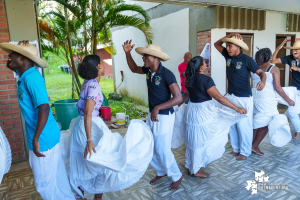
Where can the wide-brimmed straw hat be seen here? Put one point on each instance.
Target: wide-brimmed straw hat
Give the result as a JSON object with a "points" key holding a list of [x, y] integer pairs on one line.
{"points": [[28, 51], [153, 50], [237, 42], [296, 45]]}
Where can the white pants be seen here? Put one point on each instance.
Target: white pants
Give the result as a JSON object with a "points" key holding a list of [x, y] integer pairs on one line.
{"points": [[241, 133], [50, 175], [163, 160], [293, 112]]}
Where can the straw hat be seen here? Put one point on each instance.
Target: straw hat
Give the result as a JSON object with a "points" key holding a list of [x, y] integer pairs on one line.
{"points": [[237, 42], [153, 50], [296, 45], [28, 51]]}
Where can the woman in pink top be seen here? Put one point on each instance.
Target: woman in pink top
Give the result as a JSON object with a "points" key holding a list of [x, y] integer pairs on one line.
{"points": [[102, 161]]}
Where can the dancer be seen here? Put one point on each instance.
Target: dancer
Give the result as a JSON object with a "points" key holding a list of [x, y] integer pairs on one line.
{"points": [[42, 131], [5, 155], [206, 126], [102, 161], [161, 84], [265, 101], [238, 67], [294, 62], [181, 69]]}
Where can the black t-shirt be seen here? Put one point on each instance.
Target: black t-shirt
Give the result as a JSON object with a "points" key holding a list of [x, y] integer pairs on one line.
{"points": [[291, 61], [158, 88], [199, 87], [238, 72]]}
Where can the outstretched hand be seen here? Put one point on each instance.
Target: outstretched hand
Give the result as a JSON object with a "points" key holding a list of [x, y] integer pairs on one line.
{"points": [[282, 44], [127, 46]]}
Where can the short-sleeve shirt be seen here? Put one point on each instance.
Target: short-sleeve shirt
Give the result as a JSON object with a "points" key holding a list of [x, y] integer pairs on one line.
{"points": [[181, 69], [31, 94], [238, 72], [90, 89], [198, 89], [158, 88], [291, 61]]}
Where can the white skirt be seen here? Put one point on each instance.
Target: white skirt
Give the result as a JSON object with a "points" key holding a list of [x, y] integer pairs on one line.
{"points": [[265, 113], [5, 155], [206, 129], [118, 162]]}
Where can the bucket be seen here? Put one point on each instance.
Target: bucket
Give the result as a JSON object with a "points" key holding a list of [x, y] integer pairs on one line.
{"points": [[106, 113], [65, 111]]}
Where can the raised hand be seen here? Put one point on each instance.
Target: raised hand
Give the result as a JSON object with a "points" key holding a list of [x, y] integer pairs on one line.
{"points": [[282, 44], [238, 36], [24, 42], [127, 46]]}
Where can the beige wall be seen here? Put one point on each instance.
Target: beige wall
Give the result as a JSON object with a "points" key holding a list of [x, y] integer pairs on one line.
{"points": [[21, 20]]}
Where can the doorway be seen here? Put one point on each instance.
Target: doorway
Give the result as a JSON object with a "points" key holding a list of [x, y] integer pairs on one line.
{"points": [[285, 76]]}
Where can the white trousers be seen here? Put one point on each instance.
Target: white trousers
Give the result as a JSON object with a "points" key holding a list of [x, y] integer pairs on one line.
{"points": [[241, 133], [163, 160], [50, 175], [293, 112]]}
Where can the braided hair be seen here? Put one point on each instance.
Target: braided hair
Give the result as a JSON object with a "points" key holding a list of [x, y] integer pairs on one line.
{"points": [[263, 56], [87, 69], [193, 67]]}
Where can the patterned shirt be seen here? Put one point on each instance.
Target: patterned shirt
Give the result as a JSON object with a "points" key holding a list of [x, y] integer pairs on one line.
{"points": [[90, 89]]}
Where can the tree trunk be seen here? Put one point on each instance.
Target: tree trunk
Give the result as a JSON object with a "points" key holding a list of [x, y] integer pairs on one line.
{"points": [[74, 71], [73, 77], [94, 34], [85, 39]]}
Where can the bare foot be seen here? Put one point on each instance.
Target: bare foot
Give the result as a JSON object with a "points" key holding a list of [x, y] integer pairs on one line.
{"points": [[257, 151], [296, 135], [156, 179], [202, 174], [175, 185], [241, 157], [98, 196], [234, 153], [186, 169]]}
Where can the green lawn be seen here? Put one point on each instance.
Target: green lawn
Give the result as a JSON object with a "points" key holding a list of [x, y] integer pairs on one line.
{"points": [[59, 87]]}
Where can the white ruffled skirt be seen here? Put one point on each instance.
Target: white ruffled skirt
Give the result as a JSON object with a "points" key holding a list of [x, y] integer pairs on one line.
{"points": [[118, 162], [265, 113], [5, 155], [206, 129]]}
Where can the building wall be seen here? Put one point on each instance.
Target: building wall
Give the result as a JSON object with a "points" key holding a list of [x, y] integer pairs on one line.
{"points": [[171, 33], [275, 24], [203, 38], [107, 61], [10, 120]]}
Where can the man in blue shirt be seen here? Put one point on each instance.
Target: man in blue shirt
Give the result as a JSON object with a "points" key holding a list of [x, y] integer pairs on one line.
{"points": [[42, 131], [238, 68], [161, 83], [294, 62]]}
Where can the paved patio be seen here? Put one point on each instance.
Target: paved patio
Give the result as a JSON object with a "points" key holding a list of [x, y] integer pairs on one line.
{"points": [[227, 180]]}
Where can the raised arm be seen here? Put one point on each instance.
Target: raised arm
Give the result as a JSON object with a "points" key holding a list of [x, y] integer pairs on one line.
{"points": [[278, 88], [260, 85], [218, 44], [274, 58], [214, 93], [132, 65], [175, 100]]}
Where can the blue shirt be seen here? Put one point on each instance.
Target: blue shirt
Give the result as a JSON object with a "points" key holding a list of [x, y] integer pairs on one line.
{"points": [[238, 73], [31, 94], [291, 61], [158, 87]]}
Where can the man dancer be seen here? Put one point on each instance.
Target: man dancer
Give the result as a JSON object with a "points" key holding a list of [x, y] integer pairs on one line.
{"points": [[238, 67], [181, 68], [161, 83], [294, 62], [42, 131]]}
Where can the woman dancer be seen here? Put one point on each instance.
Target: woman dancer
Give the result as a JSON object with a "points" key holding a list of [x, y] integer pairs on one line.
{"points": [[102, 161], [5, 155], [265, 101], [206, 126]]}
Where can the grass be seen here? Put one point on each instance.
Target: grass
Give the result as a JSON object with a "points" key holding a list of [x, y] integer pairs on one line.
{"points": [[59, 87]]}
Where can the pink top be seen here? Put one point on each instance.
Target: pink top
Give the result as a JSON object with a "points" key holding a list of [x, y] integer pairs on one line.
{"points": [[90, 89], [181, 69]]}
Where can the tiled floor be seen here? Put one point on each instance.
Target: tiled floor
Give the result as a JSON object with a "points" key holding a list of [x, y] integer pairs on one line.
{"points": [[227, 180]]}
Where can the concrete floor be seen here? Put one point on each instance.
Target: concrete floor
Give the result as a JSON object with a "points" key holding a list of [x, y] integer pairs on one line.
{"points": [[227, 180]]}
